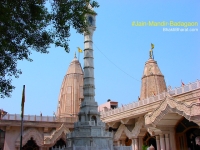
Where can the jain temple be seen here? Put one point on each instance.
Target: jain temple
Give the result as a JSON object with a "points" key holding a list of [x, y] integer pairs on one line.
{"points": [[161, 119]]}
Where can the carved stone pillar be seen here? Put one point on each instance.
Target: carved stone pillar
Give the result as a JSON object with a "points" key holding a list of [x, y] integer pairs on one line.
{"points": [[172, 139], [167, 141], [140, 143], [133, 144], [136, 144], [158, 142], [162, 142]]}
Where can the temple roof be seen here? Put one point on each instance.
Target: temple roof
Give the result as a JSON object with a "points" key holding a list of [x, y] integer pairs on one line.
{"points": [[151, 68], [153, 81], [74, 67]]}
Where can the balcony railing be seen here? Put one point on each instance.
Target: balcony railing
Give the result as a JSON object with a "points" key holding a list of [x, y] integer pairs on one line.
{"points": [[29, 118], [39, 118], [173, 92]]}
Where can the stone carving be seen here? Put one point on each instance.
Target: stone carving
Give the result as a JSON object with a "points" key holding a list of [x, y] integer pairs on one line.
{"points": [[138, 125], [55, 135], [27, 134], [169, 104], [119, 132], [134, 133]]}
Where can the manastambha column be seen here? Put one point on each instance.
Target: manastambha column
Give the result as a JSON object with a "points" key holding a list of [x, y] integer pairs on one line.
{"points": [[89, 130]]}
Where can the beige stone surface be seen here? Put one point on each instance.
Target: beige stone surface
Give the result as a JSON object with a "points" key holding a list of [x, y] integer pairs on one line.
{"points": [[71, 91], [153, 81]]}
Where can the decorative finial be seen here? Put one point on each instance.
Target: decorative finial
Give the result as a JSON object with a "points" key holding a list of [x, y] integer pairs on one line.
{"points": [[151, 52], [75, 55]]}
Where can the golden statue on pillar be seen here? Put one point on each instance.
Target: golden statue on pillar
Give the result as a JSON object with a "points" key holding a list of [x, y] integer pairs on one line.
{"points": [[151, 52]]}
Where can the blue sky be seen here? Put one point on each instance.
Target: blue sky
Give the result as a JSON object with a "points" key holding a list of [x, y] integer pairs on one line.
{"points": [[126, 46]]}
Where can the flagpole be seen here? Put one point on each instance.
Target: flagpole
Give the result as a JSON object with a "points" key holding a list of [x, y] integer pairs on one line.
{"points": [[78, 55], [22, 115], [21, 133]]}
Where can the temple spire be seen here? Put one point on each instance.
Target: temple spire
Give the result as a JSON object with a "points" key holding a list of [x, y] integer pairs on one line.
{"points": [[71, 91], [153, 81]]}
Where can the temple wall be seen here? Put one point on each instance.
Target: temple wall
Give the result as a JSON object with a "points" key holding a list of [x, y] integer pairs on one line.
{"points": [[10, 138]]}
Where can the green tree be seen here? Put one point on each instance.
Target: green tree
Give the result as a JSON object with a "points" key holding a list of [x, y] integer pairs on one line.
{"points": [[28, 25]]}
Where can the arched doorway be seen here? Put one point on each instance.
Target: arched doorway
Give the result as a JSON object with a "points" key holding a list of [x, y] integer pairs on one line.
{"points": [[186, 133], [93, 118], [30, 145], [59, 143]]}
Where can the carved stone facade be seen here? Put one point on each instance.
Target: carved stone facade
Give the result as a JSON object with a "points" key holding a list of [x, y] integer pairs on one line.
{"points": [[169, 105], [55, 135], [28, 134]]}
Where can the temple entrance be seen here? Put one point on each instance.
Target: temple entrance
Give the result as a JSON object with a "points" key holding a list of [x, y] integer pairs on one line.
{"points": [[60, 143], [187, 134], [30, 145], [150, 140]]}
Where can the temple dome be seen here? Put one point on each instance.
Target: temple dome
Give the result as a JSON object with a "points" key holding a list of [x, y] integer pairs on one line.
{"points": [[151, 67], [153, 81], [71, 92], [74, 67]]}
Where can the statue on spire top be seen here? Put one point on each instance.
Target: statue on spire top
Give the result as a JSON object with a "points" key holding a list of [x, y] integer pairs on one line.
{"points": [[151, 52]]}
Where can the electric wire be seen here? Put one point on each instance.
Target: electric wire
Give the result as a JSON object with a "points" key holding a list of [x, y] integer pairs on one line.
{"points": [[115, 64]]}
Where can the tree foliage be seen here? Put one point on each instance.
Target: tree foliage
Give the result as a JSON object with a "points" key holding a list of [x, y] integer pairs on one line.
{"points": [[28, 25]]}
